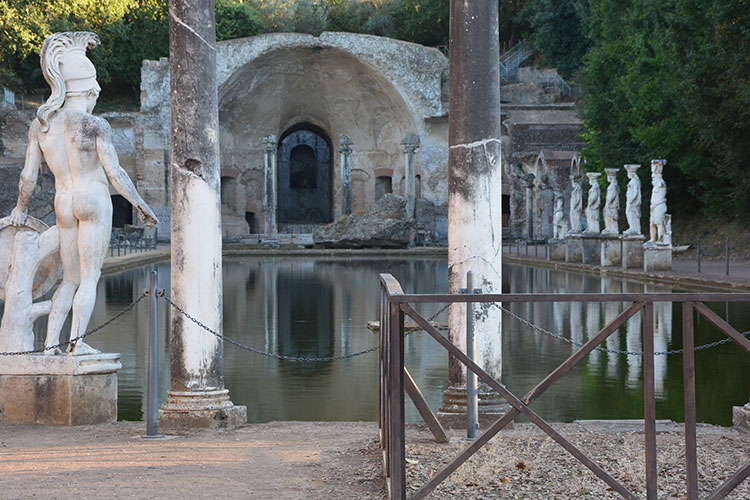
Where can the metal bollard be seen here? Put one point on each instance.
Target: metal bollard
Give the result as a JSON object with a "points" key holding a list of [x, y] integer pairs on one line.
{"points": [[119, 245], [518, 247], [152, 403], [699, 254], [472, 402], [527, 248], [726, 252]]}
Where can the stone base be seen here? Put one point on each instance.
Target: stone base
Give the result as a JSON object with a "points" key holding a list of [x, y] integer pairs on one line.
{"points": [[657, 258], [632, 251], [557, 249], [59, 390], [452, 413], [611, 250], [573, 248], [592, 249], [741, 417], [200, 410]]}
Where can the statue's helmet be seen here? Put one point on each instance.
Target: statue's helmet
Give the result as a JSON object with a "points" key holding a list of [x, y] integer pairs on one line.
{"points": [[66, 68]]}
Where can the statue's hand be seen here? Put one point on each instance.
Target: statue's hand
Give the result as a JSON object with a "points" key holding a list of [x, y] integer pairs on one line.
{"points": [[148, 216], [18, 217]]}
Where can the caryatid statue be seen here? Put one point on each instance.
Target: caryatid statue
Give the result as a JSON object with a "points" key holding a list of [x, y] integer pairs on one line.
{"points": [[594, 203], [558, 219], [79, 150], [658, 219], [576, 205], [612, 202], [633, 200]]}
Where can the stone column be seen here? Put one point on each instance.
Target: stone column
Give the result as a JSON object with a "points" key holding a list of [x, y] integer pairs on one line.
{"points": [[346, 192], [474, 207], [529, 178], [197, 397], [411, 146], [269, 183]]}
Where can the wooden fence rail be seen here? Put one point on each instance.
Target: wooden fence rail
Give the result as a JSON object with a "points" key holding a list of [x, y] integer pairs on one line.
{"points": [[395, 380]]}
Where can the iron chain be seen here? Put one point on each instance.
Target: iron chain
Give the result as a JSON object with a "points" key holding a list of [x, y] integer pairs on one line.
{"points": [[611, 351], [76, 339], [264, 353]]}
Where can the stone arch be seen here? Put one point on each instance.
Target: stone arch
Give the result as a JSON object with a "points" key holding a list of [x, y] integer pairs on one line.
{"points": [[322, 88]]}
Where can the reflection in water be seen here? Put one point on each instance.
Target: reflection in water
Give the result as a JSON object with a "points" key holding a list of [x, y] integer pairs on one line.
{"points": [[319, 307]]}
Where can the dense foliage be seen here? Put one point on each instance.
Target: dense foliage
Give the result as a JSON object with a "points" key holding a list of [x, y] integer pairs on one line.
{"points": [[671, 79]]}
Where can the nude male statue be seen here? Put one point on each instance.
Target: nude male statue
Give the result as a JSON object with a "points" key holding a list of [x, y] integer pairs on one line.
{"points": [[78, 149]]}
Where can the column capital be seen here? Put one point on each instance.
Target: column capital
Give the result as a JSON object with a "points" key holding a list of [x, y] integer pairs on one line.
{"points": [[411, 143], [346, 144], [269, 144]]}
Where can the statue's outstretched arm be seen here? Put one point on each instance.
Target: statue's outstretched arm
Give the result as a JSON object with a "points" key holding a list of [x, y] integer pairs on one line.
{"points": [[118, 177], [29, 174]]}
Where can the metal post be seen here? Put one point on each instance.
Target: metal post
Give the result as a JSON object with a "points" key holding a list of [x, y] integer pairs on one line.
{"points": [[518, 247], [726, 252], [119, 245], [699, 255], [152, 405], [536, 247], [472, 404], [527, 248]]}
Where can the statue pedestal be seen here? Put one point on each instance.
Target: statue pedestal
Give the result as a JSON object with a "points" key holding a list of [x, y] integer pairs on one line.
{"points": [[573, 247], [557, 249], [741, 417], [200, 410], [657, 257], [611, 250], [452, 413], [592, 248], [632, 251], [59, 390]]}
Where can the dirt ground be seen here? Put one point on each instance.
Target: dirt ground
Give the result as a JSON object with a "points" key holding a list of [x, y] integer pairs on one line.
{"points": [[341, 460]]}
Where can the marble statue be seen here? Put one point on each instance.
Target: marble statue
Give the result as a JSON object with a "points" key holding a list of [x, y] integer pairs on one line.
{"points": [[576, 205], [612, 202], [594, 202], [78, 148], [633, 200], [658, 219], [558, 219]]}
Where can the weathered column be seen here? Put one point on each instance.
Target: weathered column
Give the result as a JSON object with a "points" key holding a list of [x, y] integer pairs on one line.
{"points": [[411, 146], [474, 201], [345, 150], [269, 184], [529, 178], [197, 397]]}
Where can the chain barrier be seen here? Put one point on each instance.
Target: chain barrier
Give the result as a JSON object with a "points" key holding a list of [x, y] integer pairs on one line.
{"points": [[264, 353], [603, 349], [76, 339]]}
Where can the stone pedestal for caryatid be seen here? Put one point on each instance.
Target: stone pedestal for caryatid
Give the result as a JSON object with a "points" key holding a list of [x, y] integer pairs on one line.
{"points": [[197, 397], [557, 249], [741, 417], [574, 247], [657, 257], [632, 251], [59, 390], [611, 250], [591, 248]]}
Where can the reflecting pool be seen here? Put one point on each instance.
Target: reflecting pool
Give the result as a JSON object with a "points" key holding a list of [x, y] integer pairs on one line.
{"points": [[318, 307]]}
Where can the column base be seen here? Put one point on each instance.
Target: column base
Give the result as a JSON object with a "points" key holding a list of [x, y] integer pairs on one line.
{"points": [[557, 249], [657, 257], [59, 390], [452, 413], [573, 248], [611, 251], [741, 417], [592, 249], [632, 251], [200, 410]]}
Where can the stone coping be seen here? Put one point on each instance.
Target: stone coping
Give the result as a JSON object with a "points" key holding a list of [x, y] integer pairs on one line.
{"points": [[61, 364]]}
